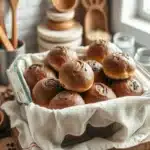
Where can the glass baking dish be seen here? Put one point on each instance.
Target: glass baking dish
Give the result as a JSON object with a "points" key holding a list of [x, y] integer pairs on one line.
{"points": [[19, 85]]}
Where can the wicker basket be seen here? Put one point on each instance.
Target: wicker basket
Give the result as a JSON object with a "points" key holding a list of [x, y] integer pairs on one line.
{"points": [[22, 91]]}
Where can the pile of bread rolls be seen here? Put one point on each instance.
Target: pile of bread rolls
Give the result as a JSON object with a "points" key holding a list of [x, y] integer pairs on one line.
{"points": [[65, 80]]}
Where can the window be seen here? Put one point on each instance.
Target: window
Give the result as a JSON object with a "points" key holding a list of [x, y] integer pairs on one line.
{"points": [[132, 17], [144, 9]]}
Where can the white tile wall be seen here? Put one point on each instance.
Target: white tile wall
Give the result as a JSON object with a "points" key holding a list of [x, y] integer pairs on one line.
{"points": [[30, 14]]}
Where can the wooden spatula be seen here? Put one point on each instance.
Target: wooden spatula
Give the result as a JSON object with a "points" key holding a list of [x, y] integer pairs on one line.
{"points": [[2, 15], [14, 5]]}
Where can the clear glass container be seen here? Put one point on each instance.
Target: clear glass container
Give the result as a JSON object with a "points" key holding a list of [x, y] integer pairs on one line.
{"points": [[143, 57], [125, 42]]}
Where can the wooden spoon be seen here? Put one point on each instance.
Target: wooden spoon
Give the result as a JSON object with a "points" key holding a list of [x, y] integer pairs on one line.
{"points": [[65, 5], [95, 18], [14, 5], [2, 15], [5, 41]]}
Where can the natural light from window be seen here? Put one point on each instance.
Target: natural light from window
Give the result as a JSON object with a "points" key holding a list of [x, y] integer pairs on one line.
{"points": [[134, 19], [146, 6]]}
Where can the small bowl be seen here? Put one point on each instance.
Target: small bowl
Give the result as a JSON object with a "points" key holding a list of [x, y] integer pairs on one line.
{"points": [[65, 5]]}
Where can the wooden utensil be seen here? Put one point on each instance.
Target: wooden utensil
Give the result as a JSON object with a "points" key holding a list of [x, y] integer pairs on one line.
{"points": [[14, 5], [5, 41], [96, 19], [65, 5], [2, 15]]}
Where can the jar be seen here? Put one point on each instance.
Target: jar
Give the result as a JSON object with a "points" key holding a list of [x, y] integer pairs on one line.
{"points": [[125, 42], [143, 57], [6, 58]]}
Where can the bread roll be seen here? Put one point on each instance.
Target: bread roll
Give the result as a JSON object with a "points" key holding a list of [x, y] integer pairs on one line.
{"points": [[98, 92], [97, 68], [129, 87], [37, 72], [45, 90], [76, 76], [66, 99], [60, 55], [119, 66], [98, 50]]}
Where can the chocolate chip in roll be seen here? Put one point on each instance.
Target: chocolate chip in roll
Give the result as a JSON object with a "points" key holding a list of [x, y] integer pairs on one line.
{"points": [[66, 99], [45, 90], [97, 68], [129, 87], [98, 50], [60, 55], [76, 76], [98, 92], [118, 66]]}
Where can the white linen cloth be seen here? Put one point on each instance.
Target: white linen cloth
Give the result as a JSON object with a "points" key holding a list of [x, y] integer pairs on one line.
{"points": [[43, 129]]}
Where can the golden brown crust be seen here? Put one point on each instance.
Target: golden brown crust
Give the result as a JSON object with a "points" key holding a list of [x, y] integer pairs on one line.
{"points": [[37, 72], [119, 66], [59, 56], [45, 90], [33, 74], [98, 92], [76, 76], [50, 73], [66, 99], [98, 50], [130, 87]]}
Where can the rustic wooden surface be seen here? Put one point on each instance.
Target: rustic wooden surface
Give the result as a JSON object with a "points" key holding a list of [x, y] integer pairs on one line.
{"points": [[14, 131]]}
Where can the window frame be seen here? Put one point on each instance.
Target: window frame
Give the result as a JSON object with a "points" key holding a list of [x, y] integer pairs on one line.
{"points": [[141, 13], [124, 18]]}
